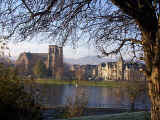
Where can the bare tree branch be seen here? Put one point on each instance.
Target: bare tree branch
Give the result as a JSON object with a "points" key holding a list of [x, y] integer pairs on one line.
{"points": [[25, 4]]}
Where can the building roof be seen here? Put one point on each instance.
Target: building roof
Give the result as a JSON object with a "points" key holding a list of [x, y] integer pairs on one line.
{"points": [[32, 57]]}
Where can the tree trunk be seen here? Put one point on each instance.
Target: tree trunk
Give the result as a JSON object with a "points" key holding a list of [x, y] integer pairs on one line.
{"points": [[152, 60], [132, 105], [154, 93]]}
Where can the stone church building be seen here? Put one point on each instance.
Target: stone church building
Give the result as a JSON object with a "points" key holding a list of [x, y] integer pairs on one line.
{"points": [[53, 61]]}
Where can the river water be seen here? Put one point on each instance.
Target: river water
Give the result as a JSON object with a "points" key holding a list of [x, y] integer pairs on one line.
{"points": [[56, 95]]}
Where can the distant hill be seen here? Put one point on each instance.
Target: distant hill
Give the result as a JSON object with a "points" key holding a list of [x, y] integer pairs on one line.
{"points": [[93, 60]]}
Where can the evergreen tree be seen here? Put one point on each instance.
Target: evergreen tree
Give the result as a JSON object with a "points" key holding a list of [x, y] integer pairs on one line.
{"points": [[40, 70]]}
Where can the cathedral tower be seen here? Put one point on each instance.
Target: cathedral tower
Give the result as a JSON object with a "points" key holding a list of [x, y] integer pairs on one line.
{"points": [[55, 61]]}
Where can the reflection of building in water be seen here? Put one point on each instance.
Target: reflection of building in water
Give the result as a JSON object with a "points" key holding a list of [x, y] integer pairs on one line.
{"points": [[51, 96], [120, 95], [121, 70]]}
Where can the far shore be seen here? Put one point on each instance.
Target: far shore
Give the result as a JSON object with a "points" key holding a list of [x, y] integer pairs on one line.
{"points": [[84, 82]]}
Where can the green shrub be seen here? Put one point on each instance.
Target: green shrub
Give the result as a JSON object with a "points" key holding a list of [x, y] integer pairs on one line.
{"points": [[76, 105], [15, 103], [40, 70]]}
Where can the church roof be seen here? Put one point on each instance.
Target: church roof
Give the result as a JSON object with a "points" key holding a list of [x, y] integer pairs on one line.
{"points": [[43, 55], [33, 57], [37, 56]]}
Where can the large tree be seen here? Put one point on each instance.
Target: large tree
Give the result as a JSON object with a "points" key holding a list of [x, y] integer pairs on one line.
{"points": [[113, 25], [146, 14]]}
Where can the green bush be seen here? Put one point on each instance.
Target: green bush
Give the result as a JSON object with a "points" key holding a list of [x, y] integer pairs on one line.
{"points": [[40, 70], [76, 105], [15, 103]]}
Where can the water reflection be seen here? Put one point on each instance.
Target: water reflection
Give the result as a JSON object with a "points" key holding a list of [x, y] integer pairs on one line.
{"points": [[54, 95]]}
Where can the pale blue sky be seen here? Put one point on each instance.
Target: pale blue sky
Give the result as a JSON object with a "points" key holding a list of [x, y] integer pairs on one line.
{"points": [[39, 44], [34, 47], [17, 48]]}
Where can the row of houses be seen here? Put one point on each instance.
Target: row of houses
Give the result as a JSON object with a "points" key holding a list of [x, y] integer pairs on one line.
{"points": [[120, 70]]}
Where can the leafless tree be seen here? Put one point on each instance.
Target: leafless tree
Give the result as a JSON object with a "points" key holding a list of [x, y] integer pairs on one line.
{"points": [[69, 20], [131, 25]]}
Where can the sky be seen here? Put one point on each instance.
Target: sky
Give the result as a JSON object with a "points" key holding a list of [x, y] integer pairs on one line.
{"points": [[35, 47], [17, 48], [39, 44]]}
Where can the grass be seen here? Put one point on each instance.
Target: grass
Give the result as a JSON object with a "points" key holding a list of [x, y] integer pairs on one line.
{"points": [[120, 116], [56, 82], [81, 83], [100, 83]]}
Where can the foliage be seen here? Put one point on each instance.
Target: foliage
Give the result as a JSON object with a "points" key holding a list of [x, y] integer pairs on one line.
{"points": [[68, 74], [79, 74], [69, 20], [59, 74], [15, 103], [40, 70], [75, 105]]}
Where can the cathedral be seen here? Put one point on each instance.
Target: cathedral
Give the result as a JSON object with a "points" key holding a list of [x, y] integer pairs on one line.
{"points": [[53, 61]]}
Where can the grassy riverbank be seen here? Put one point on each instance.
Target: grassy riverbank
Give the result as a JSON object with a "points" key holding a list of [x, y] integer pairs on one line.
{"points": [[82, 83], [56, 82], [120, 116]]}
